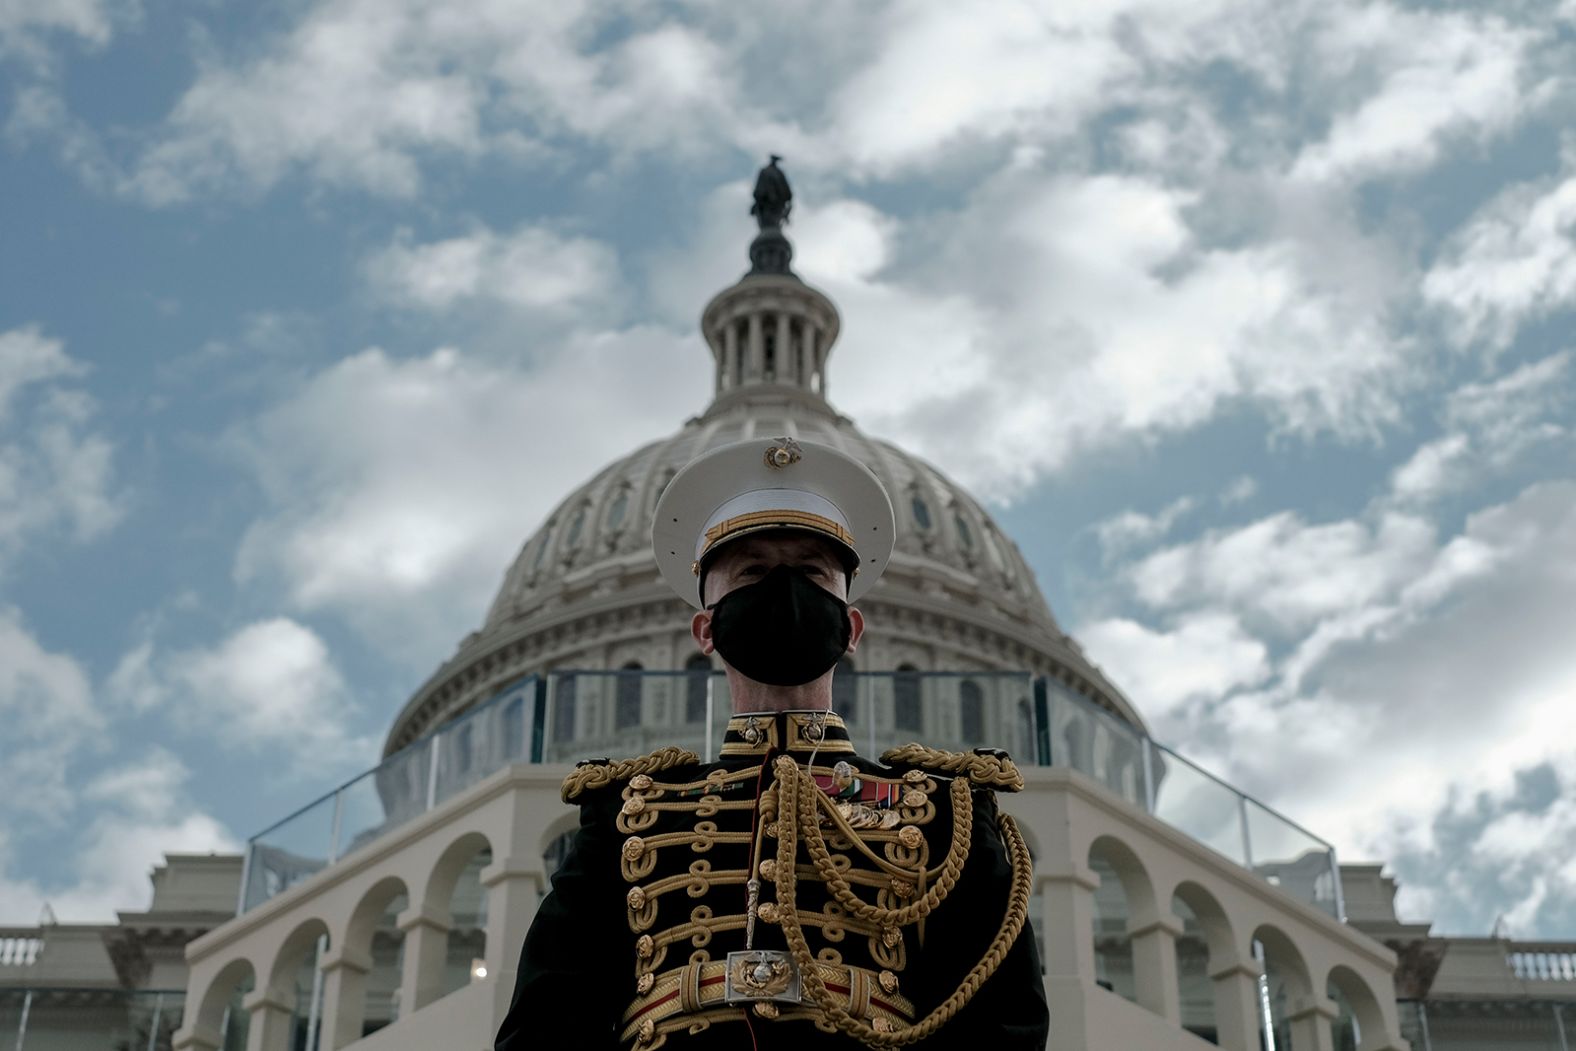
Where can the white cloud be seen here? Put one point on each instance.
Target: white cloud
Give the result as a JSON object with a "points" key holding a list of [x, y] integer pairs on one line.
{"points": [[1490, 426], [1239, 491], [1205, 656], [59, 792], [1133, 528], [140, 813], [270, 686], [532, 268], [359, 93], [400, 489], [1441, 74], [56, 471], [27, 26], [1437, 670], [1285, 573], [46, 706], [1054, 314], [1515, 262]]}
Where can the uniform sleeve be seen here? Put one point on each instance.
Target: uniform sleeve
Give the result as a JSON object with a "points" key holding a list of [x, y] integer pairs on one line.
{"points": [[576, 973], [1009, 1012]]}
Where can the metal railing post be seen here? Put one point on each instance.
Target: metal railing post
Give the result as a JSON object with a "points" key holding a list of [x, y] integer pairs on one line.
{"points": [[333, 835], [1422, 1021], [158, 1016], [246, 875], [21, 1025], [1247, 840], [1266, 1015], [1340, 891], [1559, 1027], [1149, 772], [432, 771], [314, 1011]]}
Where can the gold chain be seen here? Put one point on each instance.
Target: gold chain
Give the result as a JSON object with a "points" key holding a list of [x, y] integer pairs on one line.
{"points": [[802, 808]]}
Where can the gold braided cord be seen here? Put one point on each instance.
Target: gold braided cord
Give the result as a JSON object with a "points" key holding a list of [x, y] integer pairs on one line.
{"points": [[812, 985], [600, 775], [946, 877], [989, 771]]}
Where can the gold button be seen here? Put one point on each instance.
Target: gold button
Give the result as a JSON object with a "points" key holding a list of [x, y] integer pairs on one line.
{"points": [[769, 869], [887, 979], [902, 888], [910, 837], [771, 829], [882, 1025], [890, 936], [634, 805], [914, 799], [636, 898], [648, 1029], [647, 980], [640, 782], [644, 947], [768, 912], [766, 1009], [634, 846], [914, 777]]}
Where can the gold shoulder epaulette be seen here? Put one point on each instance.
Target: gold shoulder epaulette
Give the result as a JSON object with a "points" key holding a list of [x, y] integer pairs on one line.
{"points": [[599, 773], [986, 767]]}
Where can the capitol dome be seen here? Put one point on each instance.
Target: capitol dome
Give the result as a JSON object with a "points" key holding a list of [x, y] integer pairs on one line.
{"points": [[585, 592]]}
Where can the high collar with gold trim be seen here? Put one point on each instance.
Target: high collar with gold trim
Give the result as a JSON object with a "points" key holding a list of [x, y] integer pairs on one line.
{"points": [[757, 733]]}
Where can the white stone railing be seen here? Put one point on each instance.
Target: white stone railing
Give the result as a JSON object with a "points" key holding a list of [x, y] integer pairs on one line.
{"points": [[19, 949], [1537, 962]]}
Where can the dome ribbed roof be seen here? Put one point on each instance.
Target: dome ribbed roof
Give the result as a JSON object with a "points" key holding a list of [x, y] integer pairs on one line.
{"points": [[585, 591]]}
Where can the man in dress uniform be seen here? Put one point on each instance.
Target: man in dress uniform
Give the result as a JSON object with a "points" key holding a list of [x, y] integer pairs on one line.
{"points": [[791, 894]]}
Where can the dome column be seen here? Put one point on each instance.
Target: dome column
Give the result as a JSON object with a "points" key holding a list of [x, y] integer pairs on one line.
{"points": [[757, 351], [728, 372]]}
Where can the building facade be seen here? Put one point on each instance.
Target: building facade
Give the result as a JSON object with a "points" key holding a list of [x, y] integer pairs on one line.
{"points": [[1172, 911]]}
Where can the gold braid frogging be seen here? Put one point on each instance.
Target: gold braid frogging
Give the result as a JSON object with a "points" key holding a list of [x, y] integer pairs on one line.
{"points": [[600, 775], [989, 771], [800, 803], [837, 883]]}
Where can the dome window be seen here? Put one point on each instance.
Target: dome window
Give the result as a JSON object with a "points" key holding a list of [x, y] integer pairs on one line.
{"points": [[965, 537], [541, 547], [615, 513], [576, 527], [921, 511]]}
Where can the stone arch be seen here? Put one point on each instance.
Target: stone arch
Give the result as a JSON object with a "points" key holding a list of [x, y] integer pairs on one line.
{"points": [[457, 901], [1203, 944], [1286, 982], [294, 987], [372, 951], [301, 940], [1125, 893], [1348, 989], [218, 1007]]}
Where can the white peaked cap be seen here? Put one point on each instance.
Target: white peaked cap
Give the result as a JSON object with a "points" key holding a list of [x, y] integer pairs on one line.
{"points": [[771, 483]]}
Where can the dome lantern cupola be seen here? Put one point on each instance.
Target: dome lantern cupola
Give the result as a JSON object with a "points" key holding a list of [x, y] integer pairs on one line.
{"points": [[770, 333]]}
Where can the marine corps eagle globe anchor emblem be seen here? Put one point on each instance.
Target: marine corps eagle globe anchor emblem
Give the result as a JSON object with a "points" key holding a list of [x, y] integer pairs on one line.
{"points": [[762, 974]]}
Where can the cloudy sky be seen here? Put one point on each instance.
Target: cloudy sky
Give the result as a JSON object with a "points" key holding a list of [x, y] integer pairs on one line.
{"points": [[1251, 320]]}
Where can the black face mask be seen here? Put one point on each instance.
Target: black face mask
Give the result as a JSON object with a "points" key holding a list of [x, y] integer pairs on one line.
{"points": [[782, 630]]}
